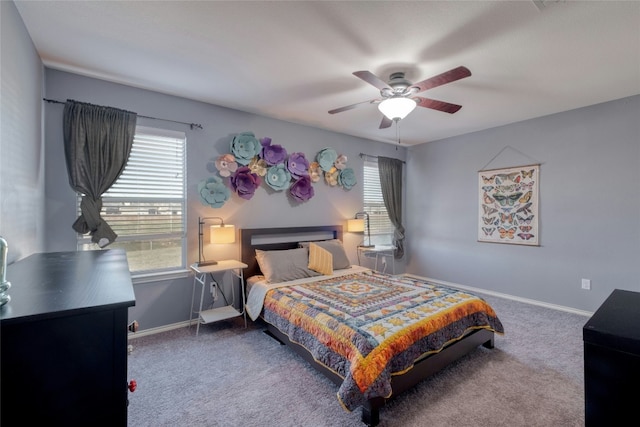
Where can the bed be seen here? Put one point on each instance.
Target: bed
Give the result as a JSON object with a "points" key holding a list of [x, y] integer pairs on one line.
{"points": [[373, 334]]}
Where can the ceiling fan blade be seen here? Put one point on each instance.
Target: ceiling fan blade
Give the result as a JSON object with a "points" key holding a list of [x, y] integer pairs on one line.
{"points": [[437, 105], [441, 79], [372, 79], [386, 122], [352, 106]]}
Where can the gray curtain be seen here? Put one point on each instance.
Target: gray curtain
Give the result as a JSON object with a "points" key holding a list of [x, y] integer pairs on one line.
{"points": [[97, 143], [390, 171]]}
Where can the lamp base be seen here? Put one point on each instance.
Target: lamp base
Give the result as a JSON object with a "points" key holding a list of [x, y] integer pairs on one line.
{"points": [[205, 263]]}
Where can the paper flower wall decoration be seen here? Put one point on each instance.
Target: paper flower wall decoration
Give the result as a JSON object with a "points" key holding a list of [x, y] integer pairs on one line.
{"points": [[213, 192], [244, 182], [252, 162], [245, 147], [278, 177]]}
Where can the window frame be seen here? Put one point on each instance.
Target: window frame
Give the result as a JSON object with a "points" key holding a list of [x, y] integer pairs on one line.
{"points": [[382, 229], [143, 275]]}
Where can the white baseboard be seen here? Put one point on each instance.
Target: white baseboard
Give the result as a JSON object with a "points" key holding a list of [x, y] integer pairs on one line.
{"points": [[506, 296], [152, 331]]}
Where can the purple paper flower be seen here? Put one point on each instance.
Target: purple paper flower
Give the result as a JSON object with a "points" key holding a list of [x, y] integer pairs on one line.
{"points": [[245, 146], [298, 165], [213, 192], [273, 154], [244, 182], [302, 190], [347, 178]]}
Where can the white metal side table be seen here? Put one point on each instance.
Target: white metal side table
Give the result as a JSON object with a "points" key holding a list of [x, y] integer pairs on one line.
{"points": [[218, 313]]}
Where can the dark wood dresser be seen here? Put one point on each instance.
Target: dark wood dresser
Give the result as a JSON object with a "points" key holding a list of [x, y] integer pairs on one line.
{"points": [[63, 340], [612, 361]]}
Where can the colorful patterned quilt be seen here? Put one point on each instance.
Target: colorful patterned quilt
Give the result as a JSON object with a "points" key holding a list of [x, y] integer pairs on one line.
{"points": [[369, 326]]}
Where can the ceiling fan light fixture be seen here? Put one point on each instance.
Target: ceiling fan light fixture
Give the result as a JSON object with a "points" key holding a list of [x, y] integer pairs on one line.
{"points": [[397, 108]]}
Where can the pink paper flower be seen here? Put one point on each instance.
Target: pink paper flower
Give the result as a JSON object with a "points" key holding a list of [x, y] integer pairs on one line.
{"points": [[226, 165]]}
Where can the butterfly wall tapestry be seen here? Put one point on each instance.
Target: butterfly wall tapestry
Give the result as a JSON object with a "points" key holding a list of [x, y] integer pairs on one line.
{"points": [[508, 200]]}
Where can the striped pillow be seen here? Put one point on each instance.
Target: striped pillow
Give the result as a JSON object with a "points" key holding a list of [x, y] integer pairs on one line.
{"points": [[320, 260]]}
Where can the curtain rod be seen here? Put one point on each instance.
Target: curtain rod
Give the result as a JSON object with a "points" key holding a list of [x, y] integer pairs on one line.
{"points": [[192, 125], [363, 155]]}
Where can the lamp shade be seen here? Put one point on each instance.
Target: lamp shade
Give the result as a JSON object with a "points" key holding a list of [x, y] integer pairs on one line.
{"points": [[397, 107], [222, 233], [355, 225]]}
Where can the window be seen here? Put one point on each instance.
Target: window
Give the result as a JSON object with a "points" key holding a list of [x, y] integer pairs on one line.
{"points": [[146, 205], [381, 227]]}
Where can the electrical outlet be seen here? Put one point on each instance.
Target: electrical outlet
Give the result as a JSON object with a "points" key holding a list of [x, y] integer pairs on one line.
{"points": [[214, 290], [586, 284]]}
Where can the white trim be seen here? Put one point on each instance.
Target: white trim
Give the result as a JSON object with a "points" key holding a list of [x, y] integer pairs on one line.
{"points": [[506, 296], [160, 329], [158, 276]]}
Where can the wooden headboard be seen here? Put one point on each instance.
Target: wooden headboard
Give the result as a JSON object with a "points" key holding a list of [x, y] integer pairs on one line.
{"points": [[271, 239]]}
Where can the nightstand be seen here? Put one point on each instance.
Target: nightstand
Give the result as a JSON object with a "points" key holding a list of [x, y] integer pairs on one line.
{"points": [[219, 313], [379, 252]]}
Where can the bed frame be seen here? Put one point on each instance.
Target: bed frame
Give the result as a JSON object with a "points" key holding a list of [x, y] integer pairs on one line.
{"points": [[260, 238]]}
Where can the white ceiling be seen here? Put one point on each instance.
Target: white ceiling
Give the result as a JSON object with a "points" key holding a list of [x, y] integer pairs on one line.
{"points": [[294, 60]]}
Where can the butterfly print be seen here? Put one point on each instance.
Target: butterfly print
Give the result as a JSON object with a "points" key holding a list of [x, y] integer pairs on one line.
{"points": [[525, 236], [526, 220], [526, 186], [487, 188], [526, 209], [488, 231], [508, 199], [488, 180], [525, 228], [526, 174], [488, 221], [506, 234], [513, 177], [488, 210], [487, 199], [506, 218], [505, 188], [526, 197]]}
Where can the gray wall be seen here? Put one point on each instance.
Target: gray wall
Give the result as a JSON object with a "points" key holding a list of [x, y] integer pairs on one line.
{"points": [[21, 142], [589, 206], [161, 303]]}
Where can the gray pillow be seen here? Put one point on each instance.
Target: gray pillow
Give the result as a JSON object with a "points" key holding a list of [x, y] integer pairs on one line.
{"points": [[284, 265], [340, 258]]}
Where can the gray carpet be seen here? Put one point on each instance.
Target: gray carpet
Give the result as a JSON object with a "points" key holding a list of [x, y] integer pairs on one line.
{"points": [[232, 376]]}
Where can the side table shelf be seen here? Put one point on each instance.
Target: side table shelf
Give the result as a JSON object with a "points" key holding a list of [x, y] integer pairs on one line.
{"points": [[218, 313]]}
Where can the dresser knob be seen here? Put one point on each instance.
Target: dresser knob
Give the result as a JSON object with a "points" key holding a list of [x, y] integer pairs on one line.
{"points": [[132, 385]]}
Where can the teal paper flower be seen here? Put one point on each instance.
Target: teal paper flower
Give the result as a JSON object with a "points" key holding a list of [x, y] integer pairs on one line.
{"points": [[326, 158], [347, 178], [213, 192], [278, 177], [245, 146]]}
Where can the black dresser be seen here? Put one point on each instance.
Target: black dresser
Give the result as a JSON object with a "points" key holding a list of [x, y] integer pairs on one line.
{"points": [[612, 361], [63, 340]]}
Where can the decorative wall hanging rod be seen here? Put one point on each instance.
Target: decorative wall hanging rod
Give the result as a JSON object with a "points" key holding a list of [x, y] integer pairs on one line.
{"points": [[192, 125]]}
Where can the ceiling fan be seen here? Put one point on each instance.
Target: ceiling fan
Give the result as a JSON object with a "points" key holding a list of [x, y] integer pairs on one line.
{"points": [[397, 97]]}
